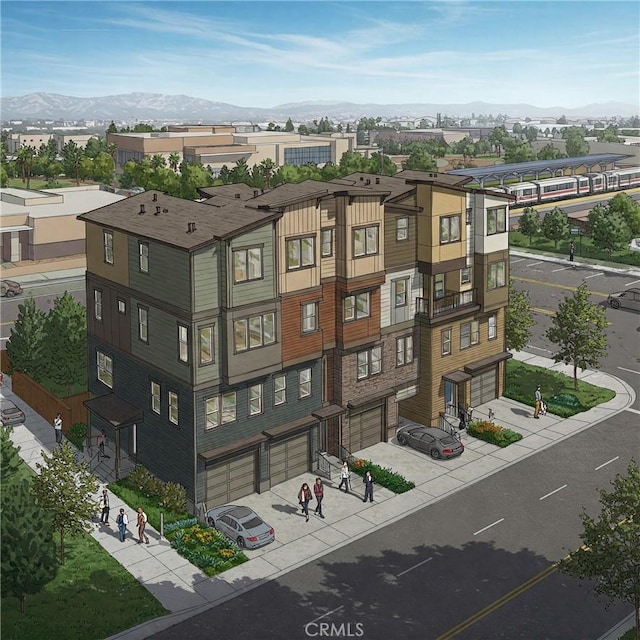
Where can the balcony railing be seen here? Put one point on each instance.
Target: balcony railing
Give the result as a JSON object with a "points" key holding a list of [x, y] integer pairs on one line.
{"points": [[448, 303]]}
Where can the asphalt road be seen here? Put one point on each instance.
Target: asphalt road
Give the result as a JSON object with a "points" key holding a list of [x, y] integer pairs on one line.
{"points": [[429, 574]]}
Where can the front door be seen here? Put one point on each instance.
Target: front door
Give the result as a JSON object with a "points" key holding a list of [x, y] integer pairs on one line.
{"points": [[450, 397]]}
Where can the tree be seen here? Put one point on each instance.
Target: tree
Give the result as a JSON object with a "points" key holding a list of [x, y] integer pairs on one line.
{"points": [[608, 229], [517, 151], [575, 143], [610, 553], [71, 160], [420, 160], [289, 126], [174, 161], [27, 548], [24, 158], [112, 128], [519, 319], [192, 176], [549, 152], [103, 168], [629, 209], [529, 223], [66, 490], [555, 225], [267, 169], [9, 456], [25, 346], [158, 161], [578, 329], [562, 120], [498, 137]]}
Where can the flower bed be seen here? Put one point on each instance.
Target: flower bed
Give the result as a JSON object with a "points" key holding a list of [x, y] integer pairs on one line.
{"points": [[204, 547], [493, 433], [381, 475]]}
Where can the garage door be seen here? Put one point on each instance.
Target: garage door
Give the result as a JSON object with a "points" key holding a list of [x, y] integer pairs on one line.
{"points": [[289, 458], [366, 428], [230, 480], [483, 388]]}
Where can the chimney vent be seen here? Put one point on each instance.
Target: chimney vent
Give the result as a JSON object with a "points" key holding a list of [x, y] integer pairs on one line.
{"points": [[256, 193], [237, 196], [141, 209], [155, 197], [377, 180], [361, 178], [191, 227], [367, 181], [157, 213]]}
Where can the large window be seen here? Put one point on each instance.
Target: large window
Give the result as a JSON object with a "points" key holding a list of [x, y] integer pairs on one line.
{"points": [[445, 338], [400, 292], [357, 306], [255, 399], [309, 317], [404, 350], [220, 409], [143, 257], [279, 389], [365, 241], [496, 220], [107, 238], [143, 324], [449, 229], [326, 242], [402, 229], [206, 345], [493, 327], [155, 397], [301, 253], [97, 304], [104, 365], [254, 332], [173, 407], [304, 383], [298, 156], [496, 275], [469, 333], [369, 363], [247, 264], [183, 343]]}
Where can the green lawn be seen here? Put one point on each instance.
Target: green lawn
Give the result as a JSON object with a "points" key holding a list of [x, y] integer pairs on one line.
{"points": [[522, 380]]}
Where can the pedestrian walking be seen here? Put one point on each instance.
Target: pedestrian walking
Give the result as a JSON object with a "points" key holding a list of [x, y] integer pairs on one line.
{"points": [[104, 504], [100, 440], [345, 475], [572, 250], [142, 523], [318, 492], [122, 521], [368, 486], [57, 425], [304, 495], [537, 400]]}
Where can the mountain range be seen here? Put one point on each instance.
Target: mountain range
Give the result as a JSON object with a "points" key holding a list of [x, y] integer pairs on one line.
{"points": [[157, 106]]}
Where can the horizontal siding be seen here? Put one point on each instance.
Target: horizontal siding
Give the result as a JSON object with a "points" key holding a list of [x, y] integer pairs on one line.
{"points": [[403, 252], [119, 270], [206, 290], [388, 314], [296, 344]]}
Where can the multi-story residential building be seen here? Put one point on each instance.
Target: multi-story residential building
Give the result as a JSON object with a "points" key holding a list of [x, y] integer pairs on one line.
{"points": [[230, 340]]}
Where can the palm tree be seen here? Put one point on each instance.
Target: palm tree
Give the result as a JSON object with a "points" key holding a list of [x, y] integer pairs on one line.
{"points": [[267, 168], [25, 156], [157, 161], [174, 161]]}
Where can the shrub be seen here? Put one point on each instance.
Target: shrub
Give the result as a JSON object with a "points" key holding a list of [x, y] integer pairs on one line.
{"points": [[173, 497], [493, 433], [383, 476], [77, 434]]}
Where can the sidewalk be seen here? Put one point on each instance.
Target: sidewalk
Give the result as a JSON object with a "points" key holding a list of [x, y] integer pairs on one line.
{"points": [[185, 591]]}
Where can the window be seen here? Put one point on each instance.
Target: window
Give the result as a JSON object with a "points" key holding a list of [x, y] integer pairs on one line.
{"points": [[220, 410], [183, 343], [253, 332], [496, 275], [206, 345], [143, 257], [255, 399], [155, 397], [173, 407], [496, 220], [402, 229], [122, 306], [298, 156], [449, 229], [247, 264], [468, 213], [369, 362], [404, 350], [108, 246], [445, 338], [493, 327], [309, 317], [400, 288], [304, 383], [105, 369], [97, 304], [326, 242], [143, 324], [279, 389], [301, 253], [356, 306], [465, 275], [365, 241], [469, 333], [438, 285]]}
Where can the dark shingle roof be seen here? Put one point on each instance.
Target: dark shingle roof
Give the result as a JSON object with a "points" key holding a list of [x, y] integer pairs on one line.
{"points": [[239, 191]]}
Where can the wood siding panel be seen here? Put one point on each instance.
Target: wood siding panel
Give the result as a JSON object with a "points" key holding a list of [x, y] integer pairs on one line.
{"points": [[329, 314], [491, 298], [119, 270], [295, 344], [206, 290], [399, 253]]}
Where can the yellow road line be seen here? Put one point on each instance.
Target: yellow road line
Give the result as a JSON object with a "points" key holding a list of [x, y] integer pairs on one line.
{"points": [[546, 312], [566, 287]]}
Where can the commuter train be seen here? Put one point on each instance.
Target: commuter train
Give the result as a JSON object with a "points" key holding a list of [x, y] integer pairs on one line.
{"points": [[538, 191]]}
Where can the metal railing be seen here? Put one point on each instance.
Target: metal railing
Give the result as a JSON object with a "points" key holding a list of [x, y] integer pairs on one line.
{"points": [[447, 424], [448, 303], [325, 465], [345, 454]]}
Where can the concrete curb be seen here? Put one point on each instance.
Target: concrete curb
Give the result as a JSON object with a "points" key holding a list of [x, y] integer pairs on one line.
{"points": [[556, 259]]}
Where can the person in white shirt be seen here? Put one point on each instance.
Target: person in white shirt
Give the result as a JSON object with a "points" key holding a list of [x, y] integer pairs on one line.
{"points": [[345, 475]]}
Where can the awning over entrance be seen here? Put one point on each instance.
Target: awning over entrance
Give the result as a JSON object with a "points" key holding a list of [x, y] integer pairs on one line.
{"points": [[457, 376], [290, 427], [330, 411], [478, 365], [114, 410]]}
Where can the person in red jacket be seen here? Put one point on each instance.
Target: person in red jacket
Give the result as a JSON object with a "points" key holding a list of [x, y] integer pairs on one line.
{"points": [[318, 491], [304, 495]]}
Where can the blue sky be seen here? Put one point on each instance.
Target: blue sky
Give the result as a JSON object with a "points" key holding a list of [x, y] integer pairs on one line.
{"points": [[546, 53]]}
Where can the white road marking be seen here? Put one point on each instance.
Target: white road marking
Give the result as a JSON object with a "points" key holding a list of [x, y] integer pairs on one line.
{"points": [[493, 524], [593, 275], [535, 263], [604, 464], [327, 614], [414, 566], [517, 260], [564, 486], [634, 282], [633, 410], [530, 346], [629, 370], [563, 269]]}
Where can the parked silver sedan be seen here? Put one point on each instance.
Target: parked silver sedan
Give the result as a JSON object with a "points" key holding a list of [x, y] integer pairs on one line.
{"points": [[242, 525], [436, 442], [629, 299], [9, 413]]}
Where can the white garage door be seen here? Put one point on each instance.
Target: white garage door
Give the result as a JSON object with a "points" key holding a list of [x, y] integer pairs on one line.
{"points": [[289, 458], [366, 428], [230, 480], [483, 387]]}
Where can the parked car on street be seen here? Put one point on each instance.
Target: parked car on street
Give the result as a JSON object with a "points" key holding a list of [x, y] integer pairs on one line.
{"points": [[9, 413], [242, 525], [629, 299], [436, 442], [10, 288]]}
